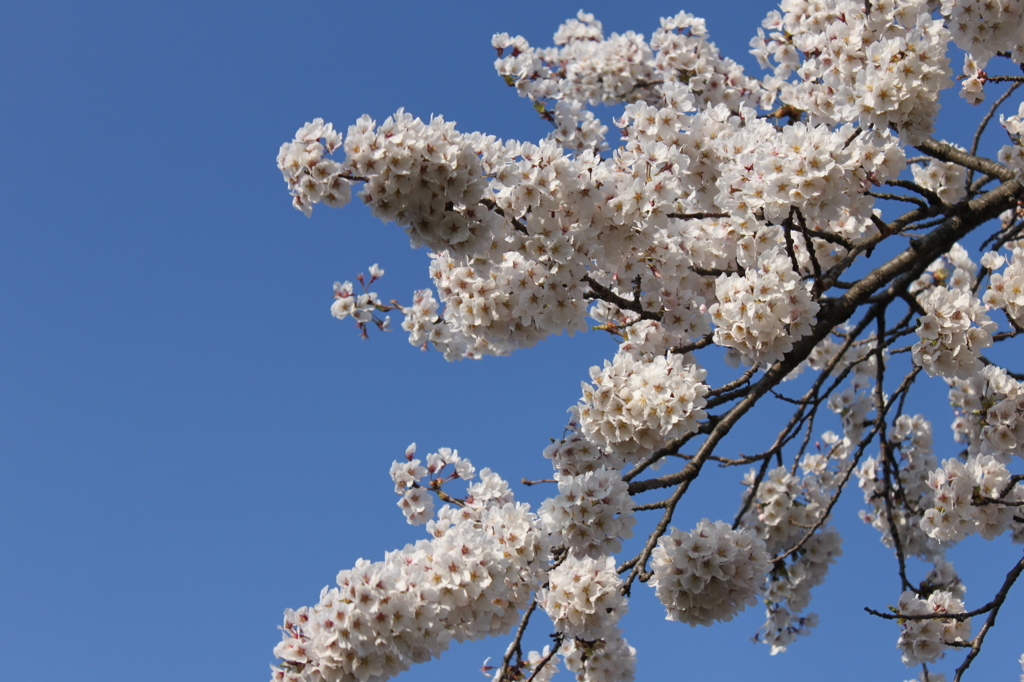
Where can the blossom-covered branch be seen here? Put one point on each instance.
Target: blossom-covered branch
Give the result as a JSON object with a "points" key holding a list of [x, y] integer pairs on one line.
{"points": [[736, 216]]}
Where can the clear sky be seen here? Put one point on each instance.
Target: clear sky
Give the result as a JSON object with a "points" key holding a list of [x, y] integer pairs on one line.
{"points": [[190, 443]]}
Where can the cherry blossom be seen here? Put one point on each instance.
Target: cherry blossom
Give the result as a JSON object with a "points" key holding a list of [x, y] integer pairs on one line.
{"points": [[800, 224]]}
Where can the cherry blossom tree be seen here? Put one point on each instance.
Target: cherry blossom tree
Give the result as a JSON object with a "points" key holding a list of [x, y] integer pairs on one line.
{"points": [[802, 222]]}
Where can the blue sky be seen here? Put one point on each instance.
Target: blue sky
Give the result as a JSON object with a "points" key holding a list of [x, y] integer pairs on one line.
{"points": [[190, 443]]}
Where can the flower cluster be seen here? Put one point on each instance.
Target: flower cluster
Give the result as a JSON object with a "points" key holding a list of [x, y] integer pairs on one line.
{"points": [[943, 577], [685, 53], [467, 582], [610, 659], [972, 88], [709, 574], [426, 177], [591, 513], [1006, 288], [643, 338], [990, 413], [1013, 154], [635, 406], [576, 128], [911, 437], [882, 64], [417, 503], [947, 180], [781, 507], [762, 312], [953, 330], [361, 307], [311, 178], [985, 28], [574, 455], [820, 171], [520, 230], [710, 222], [583, 597], [426, 327], [584, 66], [924, 640], [793, 586], [785, 507], [963, 495], [510, 304], [954, 269]]}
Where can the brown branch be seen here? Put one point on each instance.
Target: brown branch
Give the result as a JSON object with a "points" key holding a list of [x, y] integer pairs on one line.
{"points": [[928, 194], [985, 120], [879, 423], [890, 469], [721, 391], [651, 506], [696, 216], [996, 602], [897, 197], [544, 661], [516, 647], [702, 342], [637, 563], [490, 203], [605, 294], [713, 272], [947, 152], [1010, 485], [906, 266]]}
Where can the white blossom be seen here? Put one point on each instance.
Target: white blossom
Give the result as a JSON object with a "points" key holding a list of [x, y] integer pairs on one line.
{"points": [[784, 508], [953, 330], [947, 180], [1006, 288], [985, 28], [733, 212], [925, 640], [591, 513], [963, 499], [764, 311], [468, 581], [882, 64], [609, 659], [583, 597], [911, 438], [636, 406], [709, 574]]}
